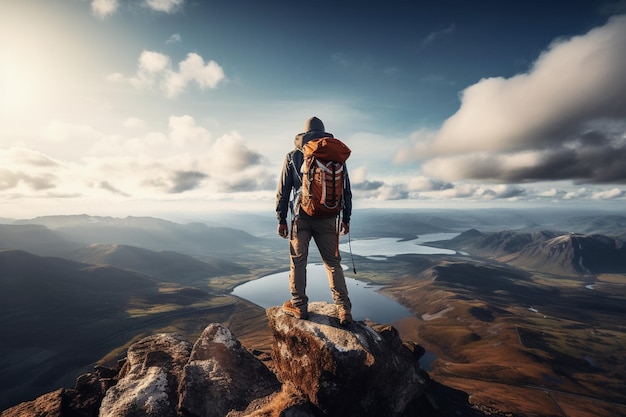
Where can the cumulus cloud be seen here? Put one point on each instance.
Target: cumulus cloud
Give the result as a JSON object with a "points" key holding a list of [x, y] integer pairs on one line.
{"points": [[11, 179], [422, 183], [236, 167], [29, 157], [479, 192], [186, 180], [104, 8], [398, 189], [184, 131], [613, 193], [230, 154], [155, 69], [184, 159], [181, 159], [166, 6], [565, 119]]}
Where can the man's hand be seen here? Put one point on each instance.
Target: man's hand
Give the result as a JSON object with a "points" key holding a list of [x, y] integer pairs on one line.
{"points": [[344, 229], [283, 230]]}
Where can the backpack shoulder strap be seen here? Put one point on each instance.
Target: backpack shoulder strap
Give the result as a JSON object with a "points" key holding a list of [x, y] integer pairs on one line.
{"points": [[293, 163]]}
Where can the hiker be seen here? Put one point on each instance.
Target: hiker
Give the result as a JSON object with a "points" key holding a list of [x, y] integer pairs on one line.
{"points": [[324, 229]]}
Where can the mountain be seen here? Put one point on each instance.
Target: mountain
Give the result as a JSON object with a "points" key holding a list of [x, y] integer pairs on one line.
{"points": [[546, 251], [318, 369], [497, 243], [59, 315], [405, 225], [609, 225], [35, 238], [194, 239], [165, 265], [574, 254]]}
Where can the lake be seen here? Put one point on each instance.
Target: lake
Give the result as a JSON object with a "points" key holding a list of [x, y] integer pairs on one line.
{"points": [[386, 247], [367, 302]]}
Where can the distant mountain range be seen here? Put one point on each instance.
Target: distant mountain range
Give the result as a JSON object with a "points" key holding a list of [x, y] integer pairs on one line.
{"points": [[164, 265], [546, 251], [67, 283], [608, 225], [67, 298], [36, 239], [408, 223], [145, 232]]}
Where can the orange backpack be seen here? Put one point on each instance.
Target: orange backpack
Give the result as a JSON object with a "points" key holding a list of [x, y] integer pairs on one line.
{"points": [[323, 176]]}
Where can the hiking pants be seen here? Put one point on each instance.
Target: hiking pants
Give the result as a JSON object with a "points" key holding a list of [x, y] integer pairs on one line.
{"points": [[325, 234]]}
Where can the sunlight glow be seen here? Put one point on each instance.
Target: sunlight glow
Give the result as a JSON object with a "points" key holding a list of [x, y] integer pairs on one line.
{"points": [[22, 89]]}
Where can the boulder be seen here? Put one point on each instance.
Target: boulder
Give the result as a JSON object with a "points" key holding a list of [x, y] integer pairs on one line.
{"points": [[356, 370], [148, 384], [81, 401], [222, 375], [165, 375], [49, 405]]}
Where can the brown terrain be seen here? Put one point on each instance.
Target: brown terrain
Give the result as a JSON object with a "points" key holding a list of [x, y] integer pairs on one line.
{"points": [[560, 356], [526, 324]]}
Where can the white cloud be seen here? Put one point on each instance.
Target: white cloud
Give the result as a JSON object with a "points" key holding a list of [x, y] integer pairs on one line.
{"points": [[153, 62], [477, 192], [166, 6], [191, 69], [155, 70], [27, 157], [611, 194], [175, 38], [551, 193], [358, 175], [185, 132], [104, 8], [564, 119], [182, 160]]}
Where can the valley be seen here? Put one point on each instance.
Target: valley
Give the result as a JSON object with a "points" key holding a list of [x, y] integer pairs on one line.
{"points": [[502, 332], [509, 338]]}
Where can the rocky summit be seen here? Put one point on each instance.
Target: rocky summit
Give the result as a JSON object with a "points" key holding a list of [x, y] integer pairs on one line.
{"points": [[317, 368], [355, 370]]}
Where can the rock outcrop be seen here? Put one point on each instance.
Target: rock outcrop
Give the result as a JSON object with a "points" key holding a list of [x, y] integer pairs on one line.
{"points": [[356, 370], [318, 368]]}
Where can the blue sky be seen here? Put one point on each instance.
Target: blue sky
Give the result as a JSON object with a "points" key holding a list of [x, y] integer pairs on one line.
{"points": [[155, 107]]}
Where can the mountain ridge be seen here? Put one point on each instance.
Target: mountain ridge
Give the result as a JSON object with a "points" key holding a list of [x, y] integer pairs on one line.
{"points": [[64, 233], [56, 312], [164, 265], [546, 250]]}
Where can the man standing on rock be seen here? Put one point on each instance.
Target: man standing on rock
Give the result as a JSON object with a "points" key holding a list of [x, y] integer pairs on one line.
{"points": [[323, 229]]}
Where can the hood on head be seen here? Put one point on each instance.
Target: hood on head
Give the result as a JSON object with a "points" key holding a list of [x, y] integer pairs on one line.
{"points": [[313, 123], [313, 129]]}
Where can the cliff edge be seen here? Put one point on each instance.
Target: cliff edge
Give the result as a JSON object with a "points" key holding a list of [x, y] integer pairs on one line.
{"points": [[317, 368]]}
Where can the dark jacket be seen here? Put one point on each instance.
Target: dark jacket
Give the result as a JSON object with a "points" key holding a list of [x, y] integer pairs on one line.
{"points": [[291, 180]]}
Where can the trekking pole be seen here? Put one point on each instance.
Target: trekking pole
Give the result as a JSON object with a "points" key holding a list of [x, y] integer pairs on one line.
{"points": [[351, 255]]}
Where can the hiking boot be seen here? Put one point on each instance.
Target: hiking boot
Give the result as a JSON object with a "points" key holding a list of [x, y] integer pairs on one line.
{"points": [[297, 312], [345, 317]]}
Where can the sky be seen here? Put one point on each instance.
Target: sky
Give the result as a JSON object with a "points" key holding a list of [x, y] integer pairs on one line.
{"points": [[181, 108]]}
